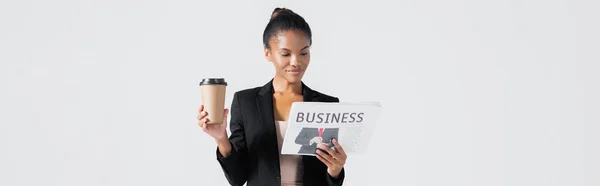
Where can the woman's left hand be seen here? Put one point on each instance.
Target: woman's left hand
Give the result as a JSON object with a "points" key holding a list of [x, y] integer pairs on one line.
{"points": [[335, 160]]}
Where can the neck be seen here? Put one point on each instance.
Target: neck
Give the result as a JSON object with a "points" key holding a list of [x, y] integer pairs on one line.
{"points": [[282, 85]]}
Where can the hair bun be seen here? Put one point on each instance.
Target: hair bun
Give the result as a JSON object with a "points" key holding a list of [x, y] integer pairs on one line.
{"points": [[278, 11], [283, 19]]}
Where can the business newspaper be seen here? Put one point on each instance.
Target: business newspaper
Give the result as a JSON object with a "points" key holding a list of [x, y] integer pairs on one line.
{"points": [[313, 123]]}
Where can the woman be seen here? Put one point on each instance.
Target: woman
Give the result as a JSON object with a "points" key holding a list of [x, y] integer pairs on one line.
{"points": [[258, 117]]}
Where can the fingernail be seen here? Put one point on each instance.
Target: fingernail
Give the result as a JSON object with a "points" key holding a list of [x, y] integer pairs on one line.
{"points": [[334, 140]]}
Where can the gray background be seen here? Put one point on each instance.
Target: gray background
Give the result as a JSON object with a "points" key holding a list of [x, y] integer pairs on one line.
{"points": [[473, 92]]}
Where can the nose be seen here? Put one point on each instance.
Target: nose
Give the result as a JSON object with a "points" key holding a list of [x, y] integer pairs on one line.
{"points": [[295, 61]]}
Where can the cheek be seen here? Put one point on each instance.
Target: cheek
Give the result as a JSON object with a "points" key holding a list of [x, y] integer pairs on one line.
{"points": [[306, 59], [280, 62]]}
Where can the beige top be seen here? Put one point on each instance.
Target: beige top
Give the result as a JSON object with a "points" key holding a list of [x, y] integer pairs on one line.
{"points": [[290, 165]]}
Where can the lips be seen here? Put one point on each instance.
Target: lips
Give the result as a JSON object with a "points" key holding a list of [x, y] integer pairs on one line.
{"points": [[294, 72]]}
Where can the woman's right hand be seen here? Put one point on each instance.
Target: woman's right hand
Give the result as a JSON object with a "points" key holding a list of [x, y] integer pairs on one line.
{"points": [[217, 131]]}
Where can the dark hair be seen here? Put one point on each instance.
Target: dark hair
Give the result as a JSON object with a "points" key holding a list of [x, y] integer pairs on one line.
{"points": [[283, 19]]}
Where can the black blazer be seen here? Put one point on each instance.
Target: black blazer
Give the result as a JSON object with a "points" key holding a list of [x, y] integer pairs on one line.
{"points": [[306, 134], [254, 157]]}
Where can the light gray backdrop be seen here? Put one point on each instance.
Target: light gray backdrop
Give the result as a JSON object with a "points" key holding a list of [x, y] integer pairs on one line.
{"points": [[474, 92]]}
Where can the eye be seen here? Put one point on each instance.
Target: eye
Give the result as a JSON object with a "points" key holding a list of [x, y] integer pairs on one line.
{"points": [[304, 53], [285, 55]]}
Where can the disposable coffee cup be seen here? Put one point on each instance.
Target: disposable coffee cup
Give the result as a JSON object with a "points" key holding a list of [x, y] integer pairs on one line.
{"points": [[213, 98]]}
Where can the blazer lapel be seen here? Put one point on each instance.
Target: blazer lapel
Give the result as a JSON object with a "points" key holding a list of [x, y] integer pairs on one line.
{"points": [[267, 118], [308, 94], [265, 108]]}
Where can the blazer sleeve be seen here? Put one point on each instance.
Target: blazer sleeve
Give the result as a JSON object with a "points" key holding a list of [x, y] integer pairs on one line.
{"points": [[331, 181], [235, 164]]}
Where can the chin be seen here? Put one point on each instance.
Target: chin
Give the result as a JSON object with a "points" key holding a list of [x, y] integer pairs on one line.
{"points": [[294, 79]]}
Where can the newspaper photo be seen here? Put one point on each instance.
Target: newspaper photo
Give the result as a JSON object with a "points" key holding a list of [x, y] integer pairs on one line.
{"points": [[313, 123]]}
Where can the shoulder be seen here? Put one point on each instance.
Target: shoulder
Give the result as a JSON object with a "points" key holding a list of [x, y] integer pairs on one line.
{"points": [[325, 97], [248, 93]]}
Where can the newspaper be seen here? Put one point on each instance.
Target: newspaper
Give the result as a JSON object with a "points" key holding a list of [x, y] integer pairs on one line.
{"points": [[312, 123]]}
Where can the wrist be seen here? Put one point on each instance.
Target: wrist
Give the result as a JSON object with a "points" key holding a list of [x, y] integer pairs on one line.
{"points": [[224, 147], [222, 135], [222, 140], [334, 173]]}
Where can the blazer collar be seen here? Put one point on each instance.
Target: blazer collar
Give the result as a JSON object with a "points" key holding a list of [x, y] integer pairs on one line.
{"points": [[307, 93]]}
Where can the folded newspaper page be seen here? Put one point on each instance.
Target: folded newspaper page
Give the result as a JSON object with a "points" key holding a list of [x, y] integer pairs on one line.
{"points": [[313, 123]]}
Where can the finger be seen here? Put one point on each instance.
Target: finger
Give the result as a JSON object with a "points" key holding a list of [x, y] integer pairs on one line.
{"points": [[338, 147], [328, 149], [329, 164], [225, 114], [202, 115], [204, 121], [203, 126], [329, 158], [206, 126], [201, 108]]}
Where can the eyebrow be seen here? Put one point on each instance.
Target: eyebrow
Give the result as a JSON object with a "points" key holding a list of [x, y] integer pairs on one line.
{"points": [[290, 50]]}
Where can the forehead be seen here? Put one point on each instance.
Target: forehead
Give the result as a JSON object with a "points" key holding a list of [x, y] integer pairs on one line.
{"points": [[292, 39]]}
